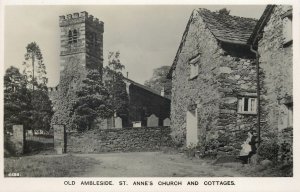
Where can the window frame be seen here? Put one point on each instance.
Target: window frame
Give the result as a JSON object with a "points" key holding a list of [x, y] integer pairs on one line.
{"points": [[251, 109], [290, 113], [194, 66], [287, 30], [70, 37], [75, 36]]}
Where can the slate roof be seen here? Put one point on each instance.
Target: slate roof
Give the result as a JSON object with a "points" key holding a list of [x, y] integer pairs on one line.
{"points": [[228, 28], [225, 28], [144, 87]]}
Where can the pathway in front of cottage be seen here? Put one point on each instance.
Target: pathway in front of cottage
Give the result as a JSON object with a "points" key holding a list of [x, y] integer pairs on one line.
{"points": [[156, 164]]}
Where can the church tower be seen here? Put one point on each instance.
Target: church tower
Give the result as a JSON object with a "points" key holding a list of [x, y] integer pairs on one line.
{"points": [[81, 50], [81, 39]]}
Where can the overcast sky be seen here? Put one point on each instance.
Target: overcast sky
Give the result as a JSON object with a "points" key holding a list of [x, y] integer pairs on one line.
{"points": [[146, 36]]}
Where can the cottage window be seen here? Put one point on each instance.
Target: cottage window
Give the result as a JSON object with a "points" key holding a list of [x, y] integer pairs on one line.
{"points": [[287, 27], [194, 66], [247, 105], [289, 114], [193, 71]]}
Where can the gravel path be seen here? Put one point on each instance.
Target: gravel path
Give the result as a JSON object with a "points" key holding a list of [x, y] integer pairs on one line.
{"points": [[156, 164]]}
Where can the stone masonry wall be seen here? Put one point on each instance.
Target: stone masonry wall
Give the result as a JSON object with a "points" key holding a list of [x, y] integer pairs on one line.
{"points": [[276, 71], [238, 79], [222, 78], [76, 57], [201, 91], [119, 140]]}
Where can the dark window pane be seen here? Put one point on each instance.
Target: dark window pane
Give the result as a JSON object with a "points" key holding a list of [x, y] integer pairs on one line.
{"points": [[246, 104]]}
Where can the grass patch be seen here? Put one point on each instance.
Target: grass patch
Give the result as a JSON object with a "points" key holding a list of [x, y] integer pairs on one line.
{"points": [[275, 171], [48, 166]]}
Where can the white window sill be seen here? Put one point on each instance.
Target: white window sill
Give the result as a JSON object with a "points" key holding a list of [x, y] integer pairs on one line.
{"points": [[247, 113]]}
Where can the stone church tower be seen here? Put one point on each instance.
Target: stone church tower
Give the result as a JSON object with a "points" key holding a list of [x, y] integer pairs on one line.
{"points": [[81, 38], [81, 49]]}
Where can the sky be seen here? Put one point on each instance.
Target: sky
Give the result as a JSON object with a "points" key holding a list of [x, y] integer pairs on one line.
{"points": [[147, 36]]}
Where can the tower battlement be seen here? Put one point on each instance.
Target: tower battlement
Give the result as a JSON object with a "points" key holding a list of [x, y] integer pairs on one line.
{"points": [[74, 18]]}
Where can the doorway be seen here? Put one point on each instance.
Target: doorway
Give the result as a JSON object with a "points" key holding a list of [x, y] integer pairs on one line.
{"points": [[191, 128]]}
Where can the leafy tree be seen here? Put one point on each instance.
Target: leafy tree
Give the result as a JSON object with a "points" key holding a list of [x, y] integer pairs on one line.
{"points": [[93, 101], [35, 75], [159, 80], [224, 11], [116, 86], [42, 109], [34, 67], [17, 106]]}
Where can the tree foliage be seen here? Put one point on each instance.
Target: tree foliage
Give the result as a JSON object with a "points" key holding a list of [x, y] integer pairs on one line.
{"points": [[17, 106], [115, 85], [35, 75], [26, 98], [224, 11], [92, 102], [159, 80], [34, 67], [42, 109]]}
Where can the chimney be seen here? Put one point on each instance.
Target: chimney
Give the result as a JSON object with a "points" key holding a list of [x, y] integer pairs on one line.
{"points": [[162, 92], [127, 74]]}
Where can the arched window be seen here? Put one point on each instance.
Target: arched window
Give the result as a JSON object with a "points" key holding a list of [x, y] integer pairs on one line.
{"points": [[75, 36], [70, 37]]}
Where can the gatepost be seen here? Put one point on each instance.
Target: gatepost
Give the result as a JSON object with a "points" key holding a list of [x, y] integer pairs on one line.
{"points": [[60, 139], [18, 139]]}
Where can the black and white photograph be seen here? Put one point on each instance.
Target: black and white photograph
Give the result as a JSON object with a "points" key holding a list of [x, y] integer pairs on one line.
{"points": [[162, 91]]}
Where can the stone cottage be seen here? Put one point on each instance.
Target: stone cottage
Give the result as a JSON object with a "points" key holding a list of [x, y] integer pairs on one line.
{"points": [[214, 92], [230, 73], [272, 38], [82, 50]]}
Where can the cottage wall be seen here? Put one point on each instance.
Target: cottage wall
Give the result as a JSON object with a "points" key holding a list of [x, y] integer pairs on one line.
{"points": [[276, 65], [224, 75], [237, 77], [201, 92], [276, 69]]}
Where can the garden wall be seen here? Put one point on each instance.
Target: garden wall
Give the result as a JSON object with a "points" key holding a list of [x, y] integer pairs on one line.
{"points": [[119, 140]]}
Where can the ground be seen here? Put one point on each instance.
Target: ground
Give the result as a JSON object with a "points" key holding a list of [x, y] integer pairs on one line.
{"points": [[154, 164], [133, 164]]}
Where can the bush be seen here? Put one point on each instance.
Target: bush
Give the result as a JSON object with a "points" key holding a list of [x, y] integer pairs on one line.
{"points": [[9, 148], [268, 150]]}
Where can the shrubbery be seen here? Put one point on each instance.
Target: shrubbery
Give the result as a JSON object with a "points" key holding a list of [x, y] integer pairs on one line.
{"points": [[9, 148], [268, 150]]}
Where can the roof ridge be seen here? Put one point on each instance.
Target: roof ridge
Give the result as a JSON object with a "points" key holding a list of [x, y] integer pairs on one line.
{"points": [[217, 13]]}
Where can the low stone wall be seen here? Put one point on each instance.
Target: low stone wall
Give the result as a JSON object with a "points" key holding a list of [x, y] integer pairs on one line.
{"points": [[119, 140]]}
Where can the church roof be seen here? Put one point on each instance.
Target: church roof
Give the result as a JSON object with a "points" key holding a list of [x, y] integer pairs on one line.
{"points": [[144, 87]]}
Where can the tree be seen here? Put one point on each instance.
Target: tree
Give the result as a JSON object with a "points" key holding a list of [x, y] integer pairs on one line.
{"points": [[92, 102], [42, 110], [35, 75], [116, 86], [17, 106], [224, 11], [34, 67], [159, 80]]}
